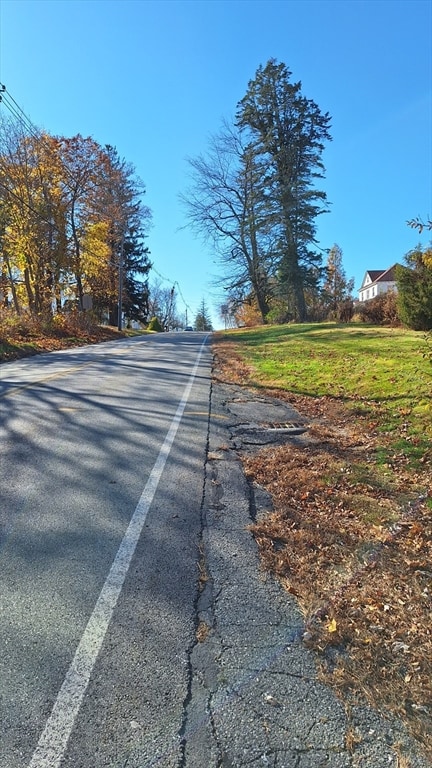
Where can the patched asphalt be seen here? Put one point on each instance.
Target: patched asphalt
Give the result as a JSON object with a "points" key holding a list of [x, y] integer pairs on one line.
{"points": [[255, 697]]}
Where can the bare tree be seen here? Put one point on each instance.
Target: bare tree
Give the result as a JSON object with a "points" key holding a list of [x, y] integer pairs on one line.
{"points": [[225, 206], [162, 303]]}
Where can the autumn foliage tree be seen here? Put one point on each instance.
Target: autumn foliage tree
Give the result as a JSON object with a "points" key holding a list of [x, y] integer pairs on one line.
{"points": [[71, 219], [337, 289], [33, 211]]}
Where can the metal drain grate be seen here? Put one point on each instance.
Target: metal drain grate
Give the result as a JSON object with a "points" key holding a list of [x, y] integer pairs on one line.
{"points": [[290, 425]]}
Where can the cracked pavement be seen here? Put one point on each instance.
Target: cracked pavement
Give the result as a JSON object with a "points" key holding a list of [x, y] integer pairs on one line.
{"points": [[254, 694]]}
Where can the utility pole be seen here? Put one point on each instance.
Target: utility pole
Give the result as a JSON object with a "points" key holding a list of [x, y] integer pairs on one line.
{"points": [[120, 287]]}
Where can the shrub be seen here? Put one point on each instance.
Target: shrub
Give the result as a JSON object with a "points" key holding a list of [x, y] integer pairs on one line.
{"points": [[155, 325], [13, 326], [382, 310], [27, 326], [345, 310], [71, 324], [248, 315], [415, 291]]}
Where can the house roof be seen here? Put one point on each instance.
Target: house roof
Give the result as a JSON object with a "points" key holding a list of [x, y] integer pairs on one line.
{"points": [[375, 274], [380, 276], [388, 276]]}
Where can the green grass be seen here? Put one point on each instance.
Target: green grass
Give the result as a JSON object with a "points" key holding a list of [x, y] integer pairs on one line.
{"points": [[12, 351], [380, 373]]}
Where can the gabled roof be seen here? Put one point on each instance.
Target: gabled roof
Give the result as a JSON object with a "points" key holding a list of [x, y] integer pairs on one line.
{"points": [[375, 274], [388, 276], [380, 276]]}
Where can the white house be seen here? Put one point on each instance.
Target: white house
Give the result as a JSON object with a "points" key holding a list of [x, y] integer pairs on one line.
{"points": [[376, 282]]}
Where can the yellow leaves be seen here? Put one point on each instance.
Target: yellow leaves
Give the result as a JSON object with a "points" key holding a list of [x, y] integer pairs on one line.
{"points": [[96, 251], [427, 258], [332, 626]]}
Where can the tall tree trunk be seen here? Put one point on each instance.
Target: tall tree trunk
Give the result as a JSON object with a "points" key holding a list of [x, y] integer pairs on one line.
{"points": [[4, 284], [12, 285], [300, 303], [30, 294], [291, 278], [80, 290]]}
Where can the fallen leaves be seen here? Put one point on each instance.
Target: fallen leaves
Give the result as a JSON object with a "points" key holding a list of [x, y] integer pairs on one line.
{"points": [[15, 345], [354, 545]]}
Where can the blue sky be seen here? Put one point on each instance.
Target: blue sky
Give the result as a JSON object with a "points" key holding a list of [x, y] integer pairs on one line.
{"points": [[155, 78]]}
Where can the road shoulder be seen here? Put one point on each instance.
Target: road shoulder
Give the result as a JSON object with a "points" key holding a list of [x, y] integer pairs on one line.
{"points": [[256, 698]]}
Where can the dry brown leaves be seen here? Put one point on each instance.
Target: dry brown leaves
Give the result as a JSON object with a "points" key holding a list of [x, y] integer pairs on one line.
{"points": [[20, 345], [354, 545], [358, 559]]}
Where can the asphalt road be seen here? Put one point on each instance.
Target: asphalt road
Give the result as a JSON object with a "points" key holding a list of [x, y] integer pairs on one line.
{"points": [[96, 618], [137, 629]]}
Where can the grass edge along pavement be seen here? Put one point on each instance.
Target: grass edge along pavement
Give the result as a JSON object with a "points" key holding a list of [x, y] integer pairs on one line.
{"points": [[350, 533]]}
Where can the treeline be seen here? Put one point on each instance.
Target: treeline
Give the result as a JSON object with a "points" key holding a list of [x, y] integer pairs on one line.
{"points": [[255, 197], [72, 227], [73, 224], [410, 305]]}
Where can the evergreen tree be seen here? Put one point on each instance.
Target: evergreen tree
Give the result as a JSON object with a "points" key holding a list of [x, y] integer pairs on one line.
{"points": [[414, 283], [202, 318], [127, 219], [288, 133], [254, 196], [135, 284]]}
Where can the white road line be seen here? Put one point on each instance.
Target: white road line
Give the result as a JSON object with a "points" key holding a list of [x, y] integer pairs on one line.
{"points": [[53, 741]]}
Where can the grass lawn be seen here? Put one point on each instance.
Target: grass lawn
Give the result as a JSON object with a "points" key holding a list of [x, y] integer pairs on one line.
{"points": [[350, 534]]}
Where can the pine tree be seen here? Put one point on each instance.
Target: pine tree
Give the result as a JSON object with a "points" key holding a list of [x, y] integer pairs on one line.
{"points": [[128, 219], [135, 284], [288, 133], [202, 318]]}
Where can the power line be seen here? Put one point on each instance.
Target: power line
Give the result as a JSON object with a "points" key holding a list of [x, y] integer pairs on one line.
{"points": [[176, 283], [34, 131], [20, 115], [14, 108]]}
